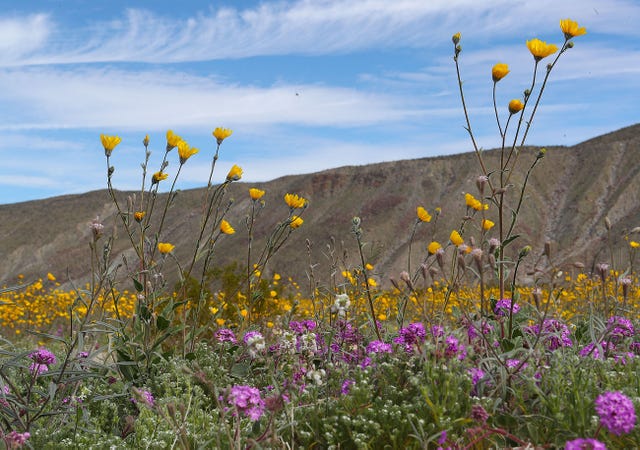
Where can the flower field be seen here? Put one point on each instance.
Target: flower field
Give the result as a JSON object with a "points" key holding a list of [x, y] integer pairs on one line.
{"points": [[462, 352]]}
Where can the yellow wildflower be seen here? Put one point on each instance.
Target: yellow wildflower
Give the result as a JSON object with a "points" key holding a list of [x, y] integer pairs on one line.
{"points": [[296, 222], [235, 173], [368, 266], [109, 143], [423, 214], [371, 282], [172, 140], [165, 247], [433, 247], [382, 317], [244, 313], [255, 193], [158, 177], [145, 141], [220, 321], [634, 244], [456, 38], [474, 203], [515, 106], [293, 201], [487, 224], [185, 151], [221, 134], [540, 49], [455, 238], [51, 277], [139, 215], [226, 227], [570, 28], [499, 71]]}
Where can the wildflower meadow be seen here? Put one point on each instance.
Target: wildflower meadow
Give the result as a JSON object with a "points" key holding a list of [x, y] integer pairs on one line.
{"points": [[461, 352]]}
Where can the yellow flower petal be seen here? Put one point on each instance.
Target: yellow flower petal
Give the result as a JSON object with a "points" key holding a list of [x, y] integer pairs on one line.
{"points": [[165, 247], [109, 143], [293, 201], [296, 222], [423, 214], [235, 173], [433, 247], [226, 228], [540, 49], [499, 71], [255, 193], [455, 238], [570, 28], [515, 106], [221, 134]]}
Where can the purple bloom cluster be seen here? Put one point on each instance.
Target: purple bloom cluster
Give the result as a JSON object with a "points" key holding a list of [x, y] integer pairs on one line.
{"points": [[616, 412], [15, 439], [42, 359], [584, 444], [503, 307], [553, 333], [473, 329], [620, 327], [593, 350], [347, 342], [303, 326], [453, 348], [247, 401], [143, 396], [476, 375], [413, 334], [226, 335], [378, 347]]}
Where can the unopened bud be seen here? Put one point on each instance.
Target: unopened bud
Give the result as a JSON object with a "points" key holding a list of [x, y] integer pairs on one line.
{"points": [[395, 284], [481, 182], [461, 263], [492, 261], [537, 296], [607, 223], [570, 44], [440, 258], [578, 265], [524, 251], [456, 38], [404, 276], [424, 270]]}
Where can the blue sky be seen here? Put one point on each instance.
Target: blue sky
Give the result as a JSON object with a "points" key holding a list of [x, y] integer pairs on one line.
{"points": [[305, 85]]}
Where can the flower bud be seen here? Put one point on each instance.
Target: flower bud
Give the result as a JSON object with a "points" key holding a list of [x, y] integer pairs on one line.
{"points": [[456, 38]]}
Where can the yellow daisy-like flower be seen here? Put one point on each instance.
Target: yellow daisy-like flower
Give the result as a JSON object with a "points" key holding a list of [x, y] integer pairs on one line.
{"points": [[499, 71], [139, 215], [433, 247], [226, 227], [165, 247], [185, 151], [570, 28], [634, 244], [423, 214], [296, 222], [109, 143], [255, 193], [487, 224], [235, 173], [455, 238], [371, 282], [221, 134], [145, 141], [474, 203], [293, 201], [515, 106], [172, 140], [51, 277], [368, 266], [158, 177], [540, 49]]}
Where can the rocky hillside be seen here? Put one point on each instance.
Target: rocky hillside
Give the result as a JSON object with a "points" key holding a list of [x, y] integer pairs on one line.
{"points": [[571, 192]]}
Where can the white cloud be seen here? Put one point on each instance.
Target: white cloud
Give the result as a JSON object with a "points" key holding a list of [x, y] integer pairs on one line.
{"points": [[21, 36], [93, 98], [316, 27]]}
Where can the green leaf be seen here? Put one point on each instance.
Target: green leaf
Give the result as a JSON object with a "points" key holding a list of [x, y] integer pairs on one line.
{"points": [[139, 287], [162, 323], [510, 240]]}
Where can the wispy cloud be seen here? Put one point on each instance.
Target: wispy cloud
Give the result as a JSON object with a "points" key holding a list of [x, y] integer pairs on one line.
{"points": [[308, 27]]}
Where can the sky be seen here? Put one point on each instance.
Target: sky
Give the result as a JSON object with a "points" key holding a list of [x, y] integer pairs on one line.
{"points": [[305, 85]]}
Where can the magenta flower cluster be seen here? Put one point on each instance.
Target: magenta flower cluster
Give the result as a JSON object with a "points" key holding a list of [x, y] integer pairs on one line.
{"points": [[553, 333], [413, 334], [226, 335], [616, 412], [42, 359], [504, 306], [247, 401], [584, 444]]}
